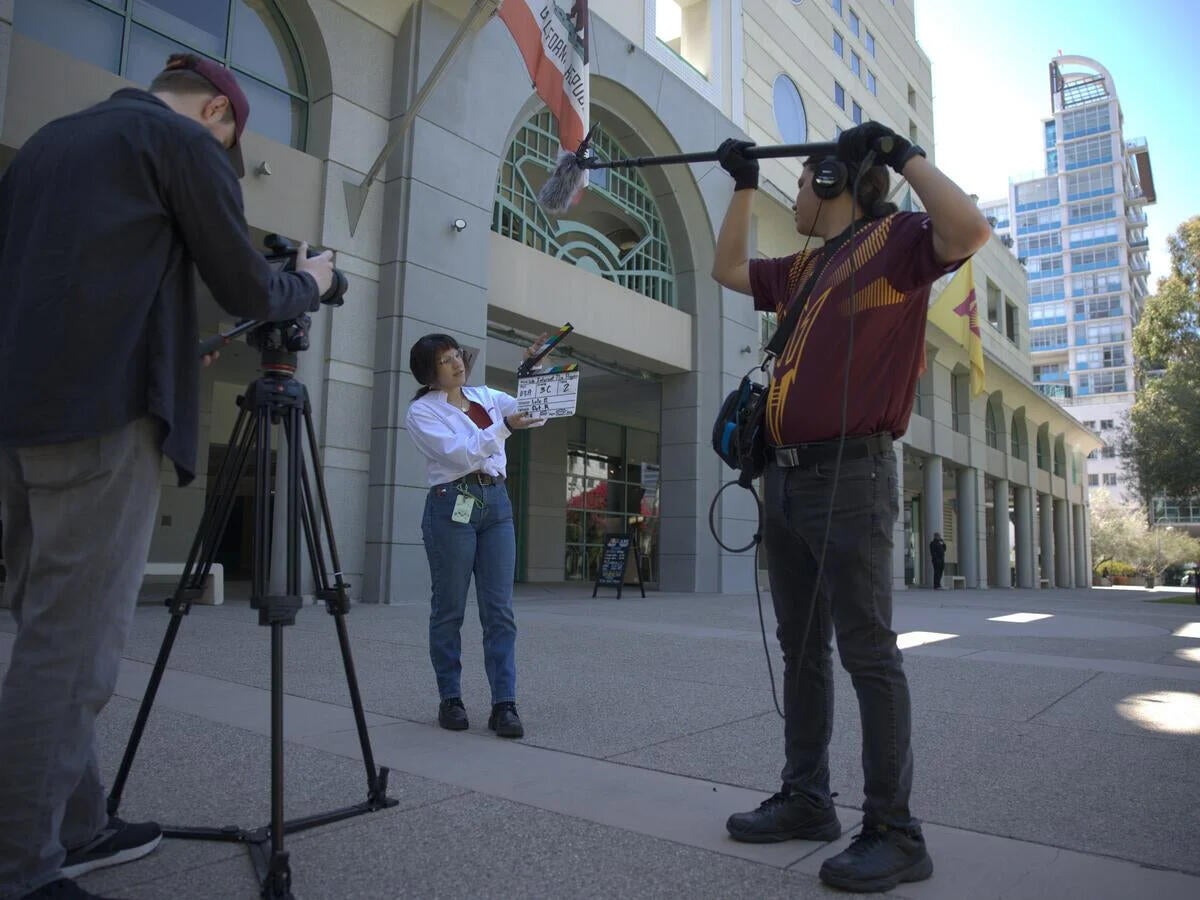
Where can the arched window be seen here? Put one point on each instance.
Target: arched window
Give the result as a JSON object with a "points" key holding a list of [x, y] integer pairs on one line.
{"points": [[615, 230], [1043, 450], [133, 38], [1018, 449], [789, 111], [1060, 459], [991, 430]]}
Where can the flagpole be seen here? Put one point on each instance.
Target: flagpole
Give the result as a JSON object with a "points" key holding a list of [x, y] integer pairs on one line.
{"points": [[356, 194]]}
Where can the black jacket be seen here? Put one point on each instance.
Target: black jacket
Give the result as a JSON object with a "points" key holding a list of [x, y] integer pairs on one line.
{"points": [[102, 215], [937, 550]]}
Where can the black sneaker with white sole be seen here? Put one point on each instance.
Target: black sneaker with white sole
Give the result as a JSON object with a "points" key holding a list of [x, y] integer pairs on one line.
{"points": [[119, 842], [63, 889]]}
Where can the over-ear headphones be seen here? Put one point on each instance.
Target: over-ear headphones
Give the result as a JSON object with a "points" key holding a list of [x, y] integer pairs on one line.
{"points": [[830, 178]]}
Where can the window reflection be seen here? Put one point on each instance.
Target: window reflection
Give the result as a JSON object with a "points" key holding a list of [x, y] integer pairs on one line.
{"points": [[201, 25], [612, 488], [258, 46]]}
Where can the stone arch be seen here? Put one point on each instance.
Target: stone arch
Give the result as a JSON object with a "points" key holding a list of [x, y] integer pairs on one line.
{"points": [[1019, 435], [995, 423]]}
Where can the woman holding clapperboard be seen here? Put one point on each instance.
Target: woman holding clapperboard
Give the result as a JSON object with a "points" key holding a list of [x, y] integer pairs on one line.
{"points": [[467, 526]]}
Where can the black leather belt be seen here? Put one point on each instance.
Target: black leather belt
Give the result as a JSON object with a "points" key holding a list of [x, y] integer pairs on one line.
{"points": [[794, 455], [482, 478]]}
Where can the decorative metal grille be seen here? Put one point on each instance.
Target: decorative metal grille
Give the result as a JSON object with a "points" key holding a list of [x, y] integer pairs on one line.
{"points": [[637, 258]]}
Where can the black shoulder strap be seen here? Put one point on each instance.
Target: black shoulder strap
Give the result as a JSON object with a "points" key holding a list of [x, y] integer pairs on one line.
{"points": [[787, 325]]}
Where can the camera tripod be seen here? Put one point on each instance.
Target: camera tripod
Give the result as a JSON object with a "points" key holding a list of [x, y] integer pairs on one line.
{"points": [[274, 397]]}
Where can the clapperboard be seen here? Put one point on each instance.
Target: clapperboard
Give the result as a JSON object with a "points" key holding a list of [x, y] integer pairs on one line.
{"points": [[550, 393]]}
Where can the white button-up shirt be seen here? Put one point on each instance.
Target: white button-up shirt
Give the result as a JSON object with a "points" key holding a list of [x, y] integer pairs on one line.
{"points": [[452, 444]]}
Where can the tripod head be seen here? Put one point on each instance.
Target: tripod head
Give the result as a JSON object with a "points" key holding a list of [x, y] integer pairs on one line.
{"points": [[279, 342]]}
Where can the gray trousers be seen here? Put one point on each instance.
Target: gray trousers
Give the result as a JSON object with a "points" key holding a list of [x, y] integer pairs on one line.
{"points": [[78, 518]]}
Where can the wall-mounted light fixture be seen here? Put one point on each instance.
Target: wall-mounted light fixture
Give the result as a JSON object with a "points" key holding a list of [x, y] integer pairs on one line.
{"points": [[459, 225]]}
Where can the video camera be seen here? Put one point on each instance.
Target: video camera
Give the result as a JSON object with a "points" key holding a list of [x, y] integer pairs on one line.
{"points": [[291, 335]]}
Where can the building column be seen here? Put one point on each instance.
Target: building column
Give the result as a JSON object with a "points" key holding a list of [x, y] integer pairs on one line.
{"points": [[1023, 514], [931, 512], [1046, 534], [1082, 578], [1002, 544], [1062, 544], [968, 514]]}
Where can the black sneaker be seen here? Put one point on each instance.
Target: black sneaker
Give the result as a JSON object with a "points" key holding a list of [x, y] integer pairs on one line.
{"points": [[878, 859], [505, 721], [63, 889], [452, 714], [119, 842], [785, 817]]}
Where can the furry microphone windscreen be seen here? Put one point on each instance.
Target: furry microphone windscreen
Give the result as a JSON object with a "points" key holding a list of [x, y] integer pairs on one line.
{"points": [[564, 185]]}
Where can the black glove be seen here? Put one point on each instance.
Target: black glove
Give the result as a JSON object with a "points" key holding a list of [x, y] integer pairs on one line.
{"points": [[743, 169], [890, 149]]}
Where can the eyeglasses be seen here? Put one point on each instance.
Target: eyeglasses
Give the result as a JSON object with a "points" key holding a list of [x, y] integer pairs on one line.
{"points": [[450, 358]]}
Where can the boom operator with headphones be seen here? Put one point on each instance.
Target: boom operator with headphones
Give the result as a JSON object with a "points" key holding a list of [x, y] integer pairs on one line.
{"points": [[828, 471]]}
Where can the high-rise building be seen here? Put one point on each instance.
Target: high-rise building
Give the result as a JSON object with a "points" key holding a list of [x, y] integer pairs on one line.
{"points": [[1080, 231]]}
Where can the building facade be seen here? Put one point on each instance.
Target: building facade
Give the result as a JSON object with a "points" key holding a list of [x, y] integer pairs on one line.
{"points": [[1080, 231], [452, 240]]}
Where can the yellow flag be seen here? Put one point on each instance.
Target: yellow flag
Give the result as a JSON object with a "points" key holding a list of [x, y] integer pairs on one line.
{"points": [[957, 313]]}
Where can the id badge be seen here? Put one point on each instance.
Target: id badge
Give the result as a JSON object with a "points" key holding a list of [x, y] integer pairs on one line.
{"points": [[463, 507]]}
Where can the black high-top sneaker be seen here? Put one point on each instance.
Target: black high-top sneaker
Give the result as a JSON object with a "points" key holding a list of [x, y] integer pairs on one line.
{"points": [[452, 714], [505, 721], [878, 859], [785, 817]]}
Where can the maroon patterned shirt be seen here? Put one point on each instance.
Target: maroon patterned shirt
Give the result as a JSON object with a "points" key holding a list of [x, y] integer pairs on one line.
{"points": [[893, 265]]}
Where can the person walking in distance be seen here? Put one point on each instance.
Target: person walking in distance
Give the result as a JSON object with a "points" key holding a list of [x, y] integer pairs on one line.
{"points": [[937, 555]]}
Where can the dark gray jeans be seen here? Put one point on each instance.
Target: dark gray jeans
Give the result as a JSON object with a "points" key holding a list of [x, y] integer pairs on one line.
{"points": [[855, 602], [77, 524]]}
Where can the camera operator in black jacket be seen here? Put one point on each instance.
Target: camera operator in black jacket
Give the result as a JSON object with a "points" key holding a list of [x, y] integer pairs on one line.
{"points": [[102, 216]]}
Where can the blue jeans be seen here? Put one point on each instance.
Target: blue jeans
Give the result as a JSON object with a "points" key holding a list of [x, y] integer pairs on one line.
{"points": [[487, 548], [855, 602]]}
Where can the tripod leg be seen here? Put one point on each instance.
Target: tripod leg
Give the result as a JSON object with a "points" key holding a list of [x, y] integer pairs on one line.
{"points": [[277, 883], [190, 587], [338, 604]]}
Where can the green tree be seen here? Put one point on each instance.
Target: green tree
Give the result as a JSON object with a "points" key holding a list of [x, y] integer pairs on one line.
{"points": [[1161, 442], [1120, 532]]}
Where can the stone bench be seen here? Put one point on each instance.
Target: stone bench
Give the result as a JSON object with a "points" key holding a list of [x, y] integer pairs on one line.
{"points": [[214, 582], [957, 582]]}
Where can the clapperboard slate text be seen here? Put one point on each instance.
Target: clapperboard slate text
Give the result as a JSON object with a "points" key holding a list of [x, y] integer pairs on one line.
{"points": [[550, 393]]}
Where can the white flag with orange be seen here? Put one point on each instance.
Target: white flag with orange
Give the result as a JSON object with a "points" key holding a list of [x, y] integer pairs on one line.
{"points": [[554, 44], [956, 312]]}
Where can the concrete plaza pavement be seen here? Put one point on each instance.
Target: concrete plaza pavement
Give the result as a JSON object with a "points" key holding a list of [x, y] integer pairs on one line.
{"points": [[1056, 757]]}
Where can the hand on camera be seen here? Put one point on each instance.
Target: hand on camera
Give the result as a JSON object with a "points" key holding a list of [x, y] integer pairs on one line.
{"points": [[855, 143], [743, 169], [320, 267]]}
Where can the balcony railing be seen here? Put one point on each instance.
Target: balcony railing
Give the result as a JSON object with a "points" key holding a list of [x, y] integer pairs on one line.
{"points": [[1092, 266], [1056, 391], [1084, 163]]}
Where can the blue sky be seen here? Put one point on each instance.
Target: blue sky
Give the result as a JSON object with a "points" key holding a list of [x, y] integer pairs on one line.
{"points": [[991, 90]]}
